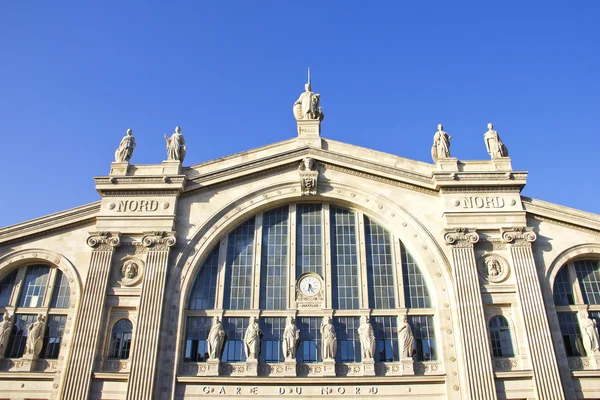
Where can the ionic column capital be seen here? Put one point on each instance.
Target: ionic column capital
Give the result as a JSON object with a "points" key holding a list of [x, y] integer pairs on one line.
{"points": [[520, 236], [461, 237], [104, 240], [155, 239]]}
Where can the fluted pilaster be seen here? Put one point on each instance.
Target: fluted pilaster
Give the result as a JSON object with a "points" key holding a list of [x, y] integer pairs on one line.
{"points": [[476, 349], [543, 359], [145, 346], [87, 331]]}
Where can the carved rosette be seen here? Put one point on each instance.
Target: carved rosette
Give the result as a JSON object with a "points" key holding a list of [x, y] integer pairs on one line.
{"points": [[159, 240], [461, 237], [518, 236], [104, 240], [493, 268]]}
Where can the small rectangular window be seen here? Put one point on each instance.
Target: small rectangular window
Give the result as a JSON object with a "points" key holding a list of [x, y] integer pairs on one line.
{"points": [[386, 337], [197, 329], [424, 334], [18, 335], [309, 348], [348, 342], [55, 328], [571, 334], [234, 328], [271, 343], [309, 251], [34, 286]]}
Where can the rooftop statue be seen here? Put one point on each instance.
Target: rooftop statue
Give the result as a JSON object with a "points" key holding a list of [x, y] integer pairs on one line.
{"points": [[493, 144], [441, 144], [176, 146], [125, 150], [307, 105]]}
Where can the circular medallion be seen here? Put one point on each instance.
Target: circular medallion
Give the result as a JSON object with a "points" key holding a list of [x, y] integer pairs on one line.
{"points": [[131, 272], [493, 268], [310, 285]]}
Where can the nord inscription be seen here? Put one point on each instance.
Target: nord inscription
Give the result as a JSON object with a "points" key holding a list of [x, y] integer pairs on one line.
{"points": [[483, 202], [137, 205]]}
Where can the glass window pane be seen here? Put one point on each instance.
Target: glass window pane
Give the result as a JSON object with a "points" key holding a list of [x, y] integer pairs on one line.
{"points": [[60, 295], [18, 335], [55, 327], [240, 255], [348, 342], [500, 337], [380, 268], [197, 329], [34, 286], [571, 334], [563, 290], [205, 285], [344, 259], [6, 288], [309, 348], [271, 342], [416, 294], [234, 328], [309, 251], [120, 342], [386, 337], [424, 334], [274, 261], [588, 274]]}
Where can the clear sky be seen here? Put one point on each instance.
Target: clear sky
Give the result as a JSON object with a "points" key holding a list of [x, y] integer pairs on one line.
{"points": [[74, 75]]}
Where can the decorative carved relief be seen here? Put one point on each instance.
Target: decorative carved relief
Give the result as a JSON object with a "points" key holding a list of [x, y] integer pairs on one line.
{"points": [[493, 268], [104, 240], [308, 177], [131, 271], [519, 236], [506, 364], [461, 237]]}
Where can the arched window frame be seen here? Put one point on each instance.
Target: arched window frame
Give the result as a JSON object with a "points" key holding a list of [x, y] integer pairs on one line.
{"points": [[511, 332], [397, 249], [109, 364], [568, 314], [110, 355]]}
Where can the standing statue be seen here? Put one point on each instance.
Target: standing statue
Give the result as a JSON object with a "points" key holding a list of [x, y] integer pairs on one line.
{"points": [[252, 340], [493, 144], [215, 340], [329, 346], [5, 327], [125, 150], [35, 337], [367, 338], [291, 335], [307, 105], [441, 144], [406, 339], [176, 146], [589, 334]]}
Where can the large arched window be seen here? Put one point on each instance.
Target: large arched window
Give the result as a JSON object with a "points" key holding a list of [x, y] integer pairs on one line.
{"points": [[299, 259], [32, 290], [500, 337], [577, 290]]}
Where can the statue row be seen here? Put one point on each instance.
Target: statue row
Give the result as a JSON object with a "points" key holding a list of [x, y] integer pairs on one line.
{"points": [[175, 147], [35, 336], [441, 144], [291, 338]]}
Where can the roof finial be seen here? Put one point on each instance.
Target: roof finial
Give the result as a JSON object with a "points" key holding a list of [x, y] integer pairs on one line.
{"points": [[308, 76]]}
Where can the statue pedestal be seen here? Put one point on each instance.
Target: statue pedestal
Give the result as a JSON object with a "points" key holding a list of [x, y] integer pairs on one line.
{"points": [[289, 368], [309, 132], [118, 168], [251, 367], [212, 367], [329, 367], [502, 164], [171, 167], [407, 365], [368, 367], [28, 362], [448, 164]]}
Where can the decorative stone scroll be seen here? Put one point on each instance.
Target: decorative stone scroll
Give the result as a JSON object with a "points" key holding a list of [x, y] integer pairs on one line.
{"points": [[461, 237], [308, 177], [518, 236], [493, 268], [104, 240], [159, 239]]}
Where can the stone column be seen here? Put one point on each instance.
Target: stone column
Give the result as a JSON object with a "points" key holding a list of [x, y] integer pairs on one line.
{"points": [[144, 349], [543, 359], [87, 330], [479, 375]]}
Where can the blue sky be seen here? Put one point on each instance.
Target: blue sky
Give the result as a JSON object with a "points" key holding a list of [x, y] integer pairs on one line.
{"points": [[75, 75]]}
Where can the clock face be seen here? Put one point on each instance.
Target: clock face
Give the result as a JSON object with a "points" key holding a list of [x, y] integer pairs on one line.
{"points": [[310, 285]]}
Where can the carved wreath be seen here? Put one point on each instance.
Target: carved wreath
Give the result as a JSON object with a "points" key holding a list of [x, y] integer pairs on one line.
{"points": [[493, 268]]}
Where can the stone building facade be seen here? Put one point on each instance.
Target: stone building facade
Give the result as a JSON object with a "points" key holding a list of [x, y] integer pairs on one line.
{"points": [[306, 268]]}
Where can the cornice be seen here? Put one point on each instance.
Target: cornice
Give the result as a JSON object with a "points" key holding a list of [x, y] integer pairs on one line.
{"points": [[74, 217], [561, 215]]}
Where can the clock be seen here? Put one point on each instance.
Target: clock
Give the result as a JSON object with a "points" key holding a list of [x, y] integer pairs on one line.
{"points": [[310, 285]]}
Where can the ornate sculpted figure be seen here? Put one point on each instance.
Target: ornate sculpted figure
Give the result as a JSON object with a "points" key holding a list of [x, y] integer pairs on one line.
{"points": [[308, 176], [329, 346], [252, 340], [291, 335], [493, 144], [406, 339], [215, 340], [367, 338], [589, 334], [307, 105], [35, 336], [125, 150], [441, 144], [493, 266], [176, 146], [5, 327]]}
